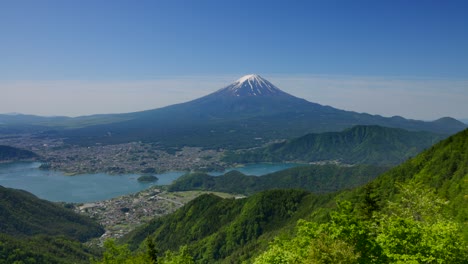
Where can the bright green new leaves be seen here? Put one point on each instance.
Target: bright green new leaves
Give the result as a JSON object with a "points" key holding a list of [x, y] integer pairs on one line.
{"points": [[415, 229], [120, 254], [407, 241], [312, 244], [181, 257], [411, 230]]}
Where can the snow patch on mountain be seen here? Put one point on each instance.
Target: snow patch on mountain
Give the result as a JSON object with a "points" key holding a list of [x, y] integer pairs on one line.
{"points": [[251, 85]]}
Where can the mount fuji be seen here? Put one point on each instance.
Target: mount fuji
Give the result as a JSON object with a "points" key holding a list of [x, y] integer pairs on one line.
{"points": [[249, 112], [249, 96]]}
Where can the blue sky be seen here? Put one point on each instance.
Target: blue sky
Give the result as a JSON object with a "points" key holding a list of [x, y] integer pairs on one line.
{"points": [[114, 56]]}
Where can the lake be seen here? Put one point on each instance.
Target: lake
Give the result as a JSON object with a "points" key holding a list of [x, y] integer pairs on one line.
{"points": [[56, 186]]}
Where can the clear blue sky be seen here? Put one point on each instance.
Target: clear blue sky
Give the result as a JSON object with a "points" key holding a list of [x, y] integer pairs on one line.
{"points": [[108, 40]]}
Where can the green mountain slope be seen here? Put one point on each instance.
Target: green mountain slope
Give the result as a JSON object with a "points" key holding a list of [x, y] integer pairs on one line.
{"points": [[8, 153], [44, 249], [358, 145], [401, 217], [313, 178], [37, 231], [228, 230], [23, 214], [443, 167], [228, 238]]}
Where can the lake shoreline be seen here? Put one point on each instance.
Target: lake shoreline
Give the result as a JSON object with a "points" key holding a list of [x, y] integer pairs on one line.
{"points": [[56, 186]]}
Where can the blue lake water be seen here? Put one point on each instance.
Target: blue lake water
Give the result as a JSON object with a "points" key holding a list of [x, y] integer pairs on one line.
{"points": [[259, 169], [55, 186]]}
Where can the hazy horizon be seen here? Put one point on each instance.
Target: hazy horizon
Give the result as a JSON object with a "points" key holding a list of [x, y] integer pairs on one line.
{"points": [[379, 96]]}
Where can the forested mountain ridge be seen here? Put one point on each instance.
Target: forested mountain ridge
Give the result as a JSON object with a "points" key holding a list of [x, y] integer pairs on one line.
{"points": [[357, 145], [23, 214], [227, 230], [313, 178], [414, 213], [407, 202], [38, 231], [8, 153], [443, 167], [44, 249]]}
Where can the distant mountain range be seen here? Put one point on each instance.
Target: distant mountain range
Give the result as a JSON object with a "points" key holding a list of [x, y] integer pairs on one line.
{"points": [[249, 112], [374, 145]]}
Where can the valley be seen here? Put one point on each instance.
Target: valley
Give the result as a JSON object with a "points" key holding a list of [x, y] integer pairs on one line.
{"points": [[238, 169], [123, 214]]}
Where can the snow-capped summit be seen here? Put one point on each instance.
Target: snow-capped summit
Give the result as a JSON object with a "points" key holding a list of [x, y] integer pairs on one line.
{"points": [[251, 85], [247, 77]]}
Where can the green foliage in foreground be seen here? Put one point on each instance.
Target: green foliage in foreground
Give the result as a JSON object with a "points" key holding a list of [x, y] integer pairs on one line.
{"points": [[314, 178], [412, 230], [43, 249], [121, 254], [443, 167], [357, 145]]}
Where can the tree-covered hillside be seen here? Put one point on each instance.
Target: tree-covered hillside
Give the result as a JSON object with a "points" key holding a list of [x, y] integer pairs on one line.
{"points": [[227, 230], [401, 217], [44, 249], [8, 153], [23, 214], [443, 167], [358, 145], [411, 229], [314, 178], [37, 231]]}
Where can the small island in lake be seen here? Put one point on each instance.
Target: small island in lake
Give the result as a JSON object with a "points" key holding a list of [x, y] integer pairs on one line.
{"points": [[147, 178]]}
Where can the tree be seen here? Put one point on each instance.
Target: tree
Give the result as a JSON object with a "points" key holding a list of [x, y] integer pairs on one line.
{"points": [[181, 257], [413, 229], [121, 254]]}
